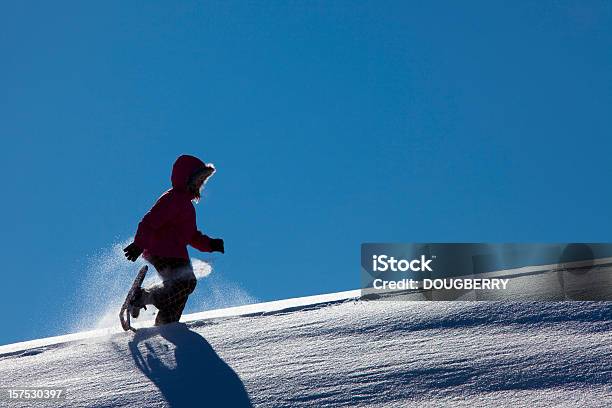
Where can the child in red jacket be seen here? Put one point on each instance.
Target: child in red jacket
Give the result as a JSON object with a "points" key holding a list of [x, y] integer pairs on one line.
{"points": [[163, 235]]}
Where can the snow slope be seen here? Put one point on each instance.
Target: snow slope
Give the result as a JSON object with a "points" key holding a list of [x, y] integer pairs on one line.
{"points": [[334, 350]]}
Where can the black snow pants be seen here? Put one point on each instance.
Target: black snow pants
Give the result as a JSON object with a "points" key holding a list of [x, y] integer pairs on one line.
{"points": [[170, 296]]}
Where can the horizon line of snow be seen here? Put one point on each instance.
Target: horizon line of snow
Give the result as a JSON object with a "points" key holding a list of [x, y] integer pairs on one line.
{"points": [[263, 308]]}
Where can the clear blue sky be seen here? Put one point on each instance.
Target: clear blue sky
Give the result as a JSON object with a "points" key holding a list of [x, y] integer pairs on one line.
{"points": [[330, 123]]}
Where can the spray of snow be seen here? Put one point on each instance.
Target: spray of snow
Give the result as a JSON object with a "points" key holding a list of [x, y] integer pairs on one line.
{"points": [[216, 292], [200, 268], [104, 284], [107, 278]]}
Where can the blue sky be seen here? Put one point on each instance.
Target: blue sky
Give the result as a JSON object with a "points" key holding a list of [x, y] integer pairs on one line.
{"points": [[330, 123]]}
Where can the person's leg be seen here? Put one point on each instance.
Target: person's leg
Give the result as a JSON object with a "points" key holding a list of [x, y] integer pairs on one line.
{"points": [[169, 269], [163, 266], [169, 296], [172, 300]]}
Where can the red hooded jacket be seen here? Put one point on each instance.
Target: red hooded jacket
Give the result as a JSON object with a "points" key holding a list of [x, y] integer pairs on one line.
{"points": [[170, 225]]}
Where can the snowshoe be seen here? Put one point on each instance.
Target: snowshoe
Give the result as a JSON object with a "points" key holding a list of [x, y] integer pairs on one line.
{"points": [[127, 309]]}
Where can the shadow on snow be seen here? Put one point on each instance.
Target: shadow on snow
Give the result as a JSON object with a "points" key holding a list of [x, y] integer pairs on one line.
{"points": [[199, 378]]}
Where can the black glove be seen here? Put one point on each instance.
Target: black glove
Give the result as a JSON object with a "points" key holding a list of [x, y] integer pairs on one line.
{"points": [[132, 251], [216, 245]]}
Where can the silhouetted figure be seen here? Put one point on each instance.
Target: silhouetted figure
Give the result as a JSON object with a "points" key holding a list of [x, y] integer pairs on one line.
{"points": [[162, 237]]}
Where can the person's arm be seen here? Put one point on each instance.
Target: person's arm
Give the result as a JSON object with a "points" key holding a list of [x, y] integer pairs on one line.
{"points": [[204, 243]]}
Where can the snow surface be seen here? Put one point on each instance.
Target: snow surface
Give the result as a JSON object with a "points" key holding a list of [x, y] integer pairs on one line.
{"points": [[335, 350]]}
